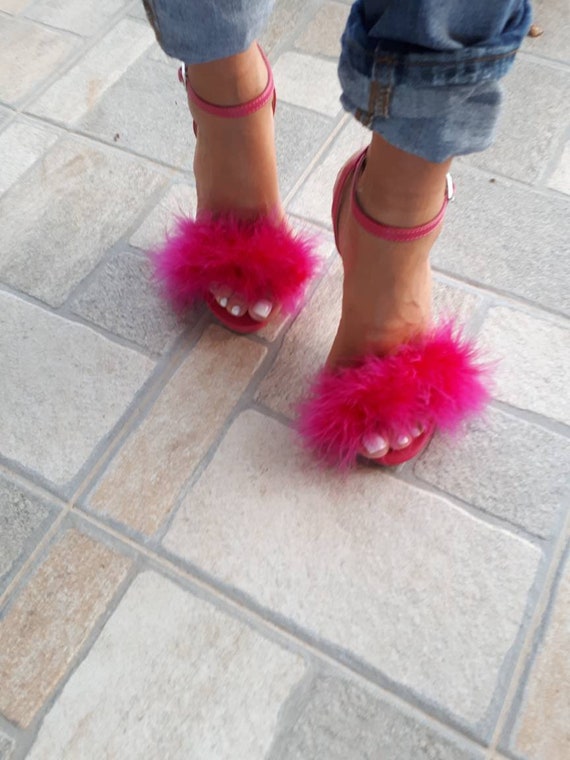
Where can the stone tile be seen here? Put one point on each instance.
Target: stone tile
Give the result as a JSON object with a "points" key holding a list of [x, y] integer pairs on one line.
{"points": [[180, 200], [21, 144], [215, 693], [322, 35], [298, 136], [124, 300], [83, 18], [285, 16], [6, 747], [303, 80], [342, 720], [402, 579], [560, 179], [78, 91], [148, 111], [28, 55], [530, 129], [314, 199], [520, 470], [23, 518], [543, 731], [45, 627], [64, 214], [5, 114], [143, 482], [534, 361], [507, 237], [13, 6], [65, 387], [305, 348], [552, 16]]}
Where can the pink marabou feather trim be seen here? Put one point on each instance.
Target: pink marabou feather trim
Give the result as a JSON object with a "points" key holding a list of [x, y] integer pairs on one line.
{"points": [[438, 379], [258, 260]]}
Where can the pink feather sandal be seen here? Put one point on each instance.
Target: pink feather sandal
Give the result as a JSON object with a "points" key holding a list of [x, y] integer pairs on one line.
{"points": [[435, 380], [259, 259]]}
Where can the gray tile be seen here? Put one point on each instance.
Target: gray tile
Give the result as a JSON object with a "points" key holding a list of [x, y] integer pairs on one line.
{"points": [[29, 54], [64, 214], [123, 299], [6, 747], [322, 35], [180, 200], [560, 178], [21, 144], [64, 388], [313, 200], [146, 111], [13, 6], [304, 80], [23, 518], [298, 136], [535, 116], [397, 577], [284, 18], [505, 466], [76, 92], [343, 721], [83, 18], [508, 238], [5, 114], [533, 361], [170, 677], [552, 16]]}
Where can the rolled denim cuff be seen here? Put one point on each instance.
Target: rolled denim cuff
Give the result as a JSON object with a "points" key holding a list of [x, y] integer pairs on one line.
{"points": [[433, 104], [195, 31]]}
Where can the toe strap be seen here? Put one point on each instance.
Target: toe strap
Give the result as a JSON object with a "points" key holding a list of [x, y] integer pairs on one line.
{"points": [[259, 259], [438, 380]]}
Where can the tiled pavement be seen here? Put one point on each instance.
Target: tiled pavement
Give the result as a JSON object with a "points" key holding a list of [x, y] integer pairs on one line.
{"points": [[177, 580]]}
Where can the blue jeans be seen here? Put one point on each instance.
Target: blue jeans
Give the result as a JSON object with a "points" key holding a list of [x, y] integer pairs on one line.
{"points": [[424, 74]]}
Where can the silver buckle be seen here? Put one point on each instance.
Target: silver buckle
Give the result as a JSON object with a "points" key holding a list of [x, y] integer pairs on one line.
{"points": [[450, 187]]}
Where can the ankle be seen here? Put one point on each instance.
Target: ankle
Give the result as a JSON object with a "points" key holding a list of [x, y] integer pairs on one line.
{"points": [[230, 81]]}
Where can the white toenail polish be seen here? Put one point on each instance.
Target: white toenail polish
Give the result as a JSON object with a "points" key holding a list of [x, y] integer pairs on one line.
{"points": [[223, 302], [236, 311], [262, 309], [417, 431], [373, 443], [404, 440]]}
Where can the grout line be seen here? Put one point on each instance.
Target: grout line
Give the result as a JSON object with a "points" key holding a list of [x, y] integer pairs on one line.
{"points": [[533, 627], [278, 631]]}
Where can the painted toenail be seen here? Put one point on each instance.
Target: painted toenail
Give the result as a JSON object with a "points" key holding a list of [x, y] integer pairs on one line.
{"points": [[403, 441], [262, 309], [417, 431], [223, 302], [236, 311], [373, 444]]}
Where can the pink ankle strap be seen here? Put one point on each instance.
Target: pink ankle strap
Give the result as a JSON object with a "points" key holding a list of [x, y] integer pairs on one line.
{"points": [[232, 112], [397, 234]]}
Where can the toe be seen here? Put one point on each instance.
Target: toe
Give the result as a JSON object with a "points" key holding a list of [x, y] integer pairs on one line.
{"points": [[402, 441], [222, 294], [236, 307], [261, 310], [374, 446]]}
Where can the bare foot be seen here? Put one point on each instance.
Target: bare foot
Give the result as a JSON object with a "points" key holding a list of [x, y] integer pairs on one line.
{"points": [[235, 163], [387, 285]]}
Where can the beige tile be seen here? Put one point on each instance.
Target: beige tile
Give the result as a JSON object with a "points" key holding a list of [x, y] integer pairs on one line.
{"points": [[543, 732], [400, 578], [50, 620], [534, 361], [75, 93], [79, 16], [560, 179], [28, 54], [143, 482], [179, 201], [171, 677], [305, 347], [13, 6], [322, 36]]}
